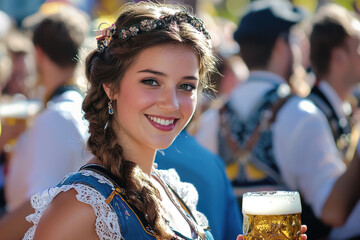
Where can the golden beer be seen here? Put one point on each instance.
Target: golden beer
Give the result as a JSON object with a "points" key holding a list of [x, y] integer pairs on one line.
{"points": [[16, 114], [271, 215]]}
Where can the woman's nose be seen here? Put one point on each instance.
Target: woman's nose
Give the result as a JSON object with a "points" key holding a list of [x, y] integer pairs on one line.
{"points": [[169, 100]]}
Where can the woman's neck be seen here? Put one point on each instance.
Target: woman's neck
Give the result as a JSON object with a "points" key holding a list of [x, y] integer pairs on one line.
{"points": [[145, 159], [133, 151], [145, 162]]}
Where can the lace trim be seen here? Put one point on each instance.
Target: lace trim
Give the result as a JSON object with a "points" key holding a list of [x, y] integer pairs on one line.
{"points": [[106, 226], [101, 178], [186, 191]]}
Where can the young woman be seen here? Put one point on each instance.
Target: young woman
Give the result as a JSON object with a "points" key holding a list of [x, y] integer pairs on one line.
{"points": [[144, 78]]}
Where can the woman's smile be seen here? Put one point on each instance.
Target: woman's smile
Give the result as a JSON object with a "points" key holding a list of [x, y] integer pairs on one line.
{"points": [[162, 123]]}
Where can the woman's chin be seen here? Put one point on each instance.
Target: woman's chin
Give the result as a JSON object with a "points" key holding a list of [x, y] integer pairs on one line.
{"points": [[165, 145]]}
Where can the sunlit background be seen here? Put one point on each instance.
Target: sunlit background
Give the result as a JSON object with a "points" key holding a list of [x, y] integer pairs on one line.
{"points": [[230, 9]]}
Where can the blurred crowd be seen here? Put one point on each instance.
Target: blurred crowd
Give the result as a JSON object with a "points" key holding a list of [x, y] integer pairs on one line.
{"points": [[284, 116]]}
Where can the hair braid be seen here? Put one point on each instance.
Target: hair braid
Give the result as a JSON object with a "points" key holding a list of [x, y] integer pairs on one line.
{"points": [[103, 144]]}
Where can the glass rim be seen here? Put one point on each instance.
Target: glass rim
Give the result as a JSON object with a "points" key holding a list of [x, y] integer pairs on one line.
{"points": [[271, 193]]}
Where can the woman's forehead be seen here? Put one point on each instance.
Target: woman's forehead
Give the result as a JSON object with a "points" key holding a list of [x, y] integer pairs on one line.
{"points": [[165, 56]]}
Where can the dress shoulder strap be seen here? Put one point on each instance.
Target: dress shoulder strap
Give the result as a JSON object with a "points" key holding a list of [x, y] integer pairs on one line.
{"points": [[117, 199]]}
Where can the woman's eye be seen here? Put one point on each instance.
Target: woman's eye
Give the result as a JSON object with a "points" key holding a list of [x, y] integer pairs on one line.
{"points": [[187, 87], [150, 82]]}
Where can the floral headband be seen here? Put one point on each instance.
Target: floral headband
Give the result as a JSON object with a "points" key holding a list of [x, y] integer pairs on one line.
{"points": [[104, 36]]}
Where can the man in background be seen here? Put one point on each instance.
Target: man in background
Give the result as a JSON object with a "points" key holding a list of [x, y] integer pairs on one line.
{"points": [[54, 144], [271, 139]]}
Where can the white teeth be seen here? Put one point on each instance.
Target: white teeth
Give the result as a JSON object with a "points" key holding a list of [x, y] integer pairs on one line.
{"points": [[161, 121]]}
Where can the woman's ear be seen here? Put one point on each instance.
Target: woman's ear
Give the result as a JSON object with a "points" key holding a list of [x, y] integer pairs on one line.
{"points": [[108, 91]]}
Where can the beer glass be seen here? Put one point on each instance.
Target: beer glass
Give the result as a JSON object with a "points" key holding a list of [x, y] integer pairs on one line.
{"points": [[271, 215], [16, 115]]}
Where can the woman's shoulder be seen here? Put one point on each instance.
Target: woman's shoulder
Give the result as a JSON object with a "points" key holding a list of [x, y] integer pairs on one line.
{"points": [[67, 218], [82, 193]]}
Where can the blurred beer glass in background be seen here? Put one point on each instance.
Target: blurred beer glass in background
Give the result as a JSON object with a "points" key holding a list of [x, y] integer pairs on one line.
{"points": [[16, 115], [271, 215]]}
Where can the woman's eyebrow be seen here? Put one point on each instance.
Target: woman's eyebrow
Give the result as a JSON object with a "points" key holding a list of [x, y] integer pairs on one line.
{"points": [[163, 74], [152, 71]]}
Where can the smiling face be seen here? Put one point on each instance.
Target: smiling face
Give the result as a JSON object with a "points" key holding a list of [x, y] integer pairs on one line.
{"points": [[157, 97]]}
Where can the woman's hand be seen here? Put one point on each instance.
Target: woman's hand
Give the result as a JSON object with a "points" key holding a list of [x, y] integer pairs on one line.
{"points": [[303, 235]]}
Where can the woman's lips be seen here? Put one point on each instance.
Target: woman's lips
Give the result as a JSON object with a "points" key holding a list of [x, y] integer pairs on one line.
{"points": [[162, 123]]}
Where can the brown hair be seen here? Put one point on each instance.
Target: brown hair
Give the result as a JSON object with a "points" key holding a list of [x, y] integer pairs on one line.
{"points": [[332, 25], [255, 53], [109, 66], [60, 34]]}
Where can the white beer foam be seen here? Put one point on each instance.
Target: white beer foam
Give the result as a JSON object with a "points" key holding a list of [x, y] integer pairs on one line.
{"points": [[271, 203]]}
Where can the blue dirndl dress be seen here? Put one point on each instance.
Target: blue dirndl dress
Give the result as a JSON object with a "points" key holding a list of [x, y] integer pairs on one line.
{"points": [[116, 218]]}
